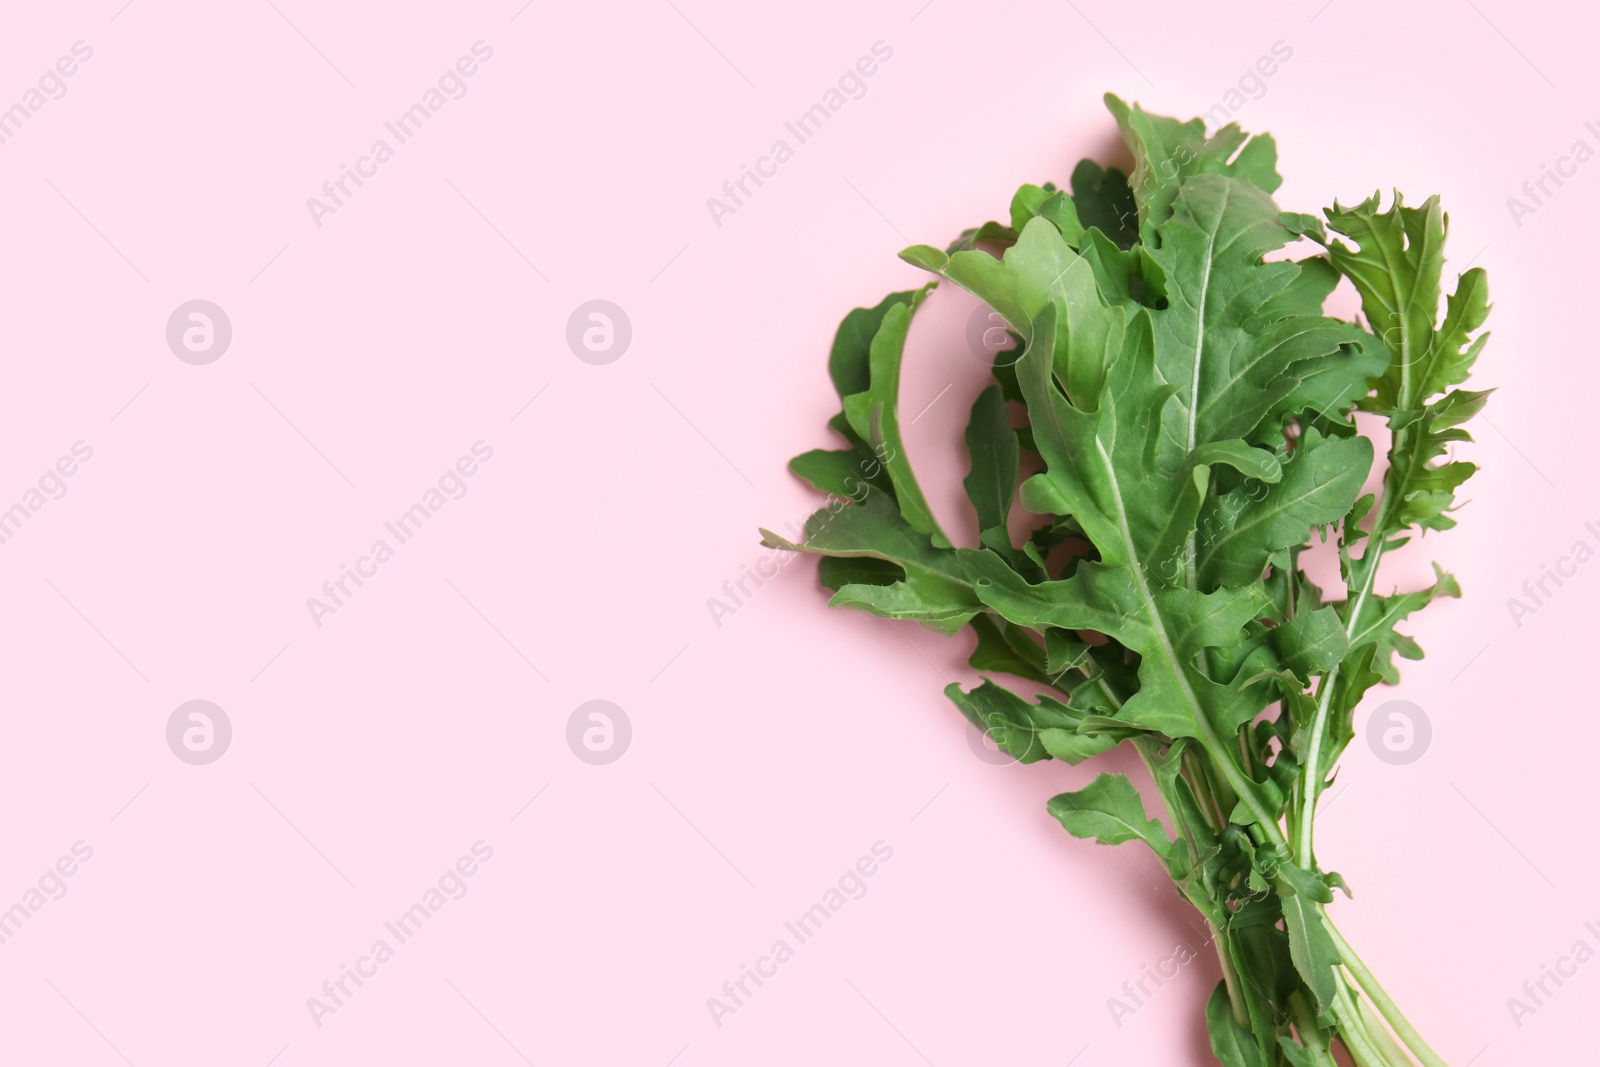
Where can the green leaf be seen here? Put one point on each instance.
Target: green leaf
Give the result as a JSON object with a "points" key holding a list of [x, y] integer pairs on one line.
{"points": [[1025, 204], [1453, 350], [1063, 651], [1261, 951], [1039, 270], [1248, 460], [1110, 811], [1426, 489], [1020, 283], [1046, 202], [945, 608], [1311, 643], [1099, 473], [970, 239], [1169, 632], [1075, 746], [1022, 728], [1300, 1056], [1235, 364], [1004, 647], [1116, 271], [1395, 267], [1166, 152], [925, 256], [1231, 1043], [1304, 225], [1062, 213], [1297, 881], [842, 473], [1241, 529], [934, 592], [1310, 288], [1244, 815], [873, 414], [872, 528], [835, 572], [995, 457], [850, 360], [1104, 202], [1375, 643], [1098, 461], [1328, 387], [1183, 806], [1311, 948]]}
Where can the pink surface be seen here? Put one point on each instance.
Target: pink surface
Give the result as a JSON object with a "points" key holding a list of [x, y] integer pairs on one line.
{"points": [[771, 752]]}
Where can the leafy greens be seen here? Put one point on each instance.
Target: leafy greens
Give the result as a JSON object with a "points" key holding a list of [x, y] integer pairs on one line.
{"points": [[1191, 409]]}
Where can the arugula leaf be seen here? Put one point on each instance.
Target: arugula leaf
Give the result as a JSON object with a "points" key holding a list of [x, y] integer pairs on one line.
{"points": [[1241, 529], [873, 413], [842, 473], [1235, 363], [1049, 203], [836, 571], [1167, 152], [1311, 948], [1032, 730], [934, 590], [1104, 202], [1397, 268], [1003, 646], [1110, 811], [1233, 1045], [995, 459], [1312, 642]]}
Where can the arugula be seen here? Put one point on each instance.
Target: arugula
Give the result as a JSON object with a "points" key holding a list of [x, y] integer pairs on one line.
{"points": [[1190, 409]]}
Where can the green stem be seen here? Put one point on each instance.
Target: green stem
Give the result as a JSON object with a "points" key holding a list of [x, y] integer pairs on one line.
{"points": [[1312, 781], [1312, 1035], [1381, 999], [1354, 1034], [1312, 772], [1203, 791], [1380, 1034], [1230, 979], [1291, 579], [1230, 972], [1213, 915]]}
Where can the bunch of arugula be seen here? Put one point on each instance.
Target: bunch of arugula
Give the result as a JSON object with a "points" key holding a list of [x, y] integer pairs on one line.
{"points": [[1191, 410]]}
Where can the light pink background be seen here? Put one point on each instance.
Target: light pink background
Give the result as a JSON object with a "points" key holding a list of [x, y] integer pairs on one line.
{"points": [[772, 751]]}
